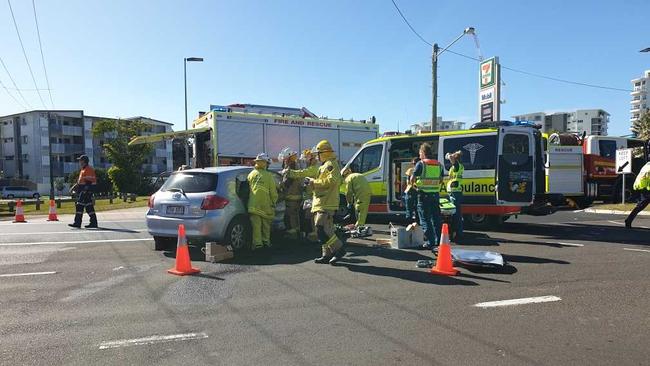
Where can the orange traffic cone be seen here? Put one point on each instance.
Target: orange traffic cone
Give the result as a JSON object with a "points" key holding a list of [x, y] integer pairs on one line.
{"points": [[444, 265], [52, 215], [183, 264], [20, 212]]}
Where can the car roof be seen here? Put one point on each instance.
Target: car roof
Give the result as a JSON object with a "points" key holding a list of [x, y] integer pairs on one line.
{"points": [[217, 169]]}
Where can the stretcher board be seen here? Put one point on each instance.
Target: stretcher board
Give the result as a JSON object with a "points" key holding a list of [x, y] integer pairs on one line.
{"points": [[477, 257]]}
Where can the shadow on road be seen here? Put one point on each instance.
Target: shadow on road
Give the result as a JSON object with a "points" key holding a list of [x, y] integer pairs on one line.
{"points": [[534, 260], [407, 275]]}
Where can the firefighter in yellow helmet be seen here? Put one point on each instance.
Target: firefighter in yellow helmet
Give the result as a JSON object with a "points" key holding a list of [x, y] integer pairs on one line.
{"points": [[325, 202], [357, 193], [309, 169], [292, 192], [261, 202]]}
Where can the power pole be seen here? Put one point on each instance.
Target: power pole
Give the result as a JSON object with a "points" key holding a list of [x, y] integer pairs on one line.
{"points": [[434, 87]]}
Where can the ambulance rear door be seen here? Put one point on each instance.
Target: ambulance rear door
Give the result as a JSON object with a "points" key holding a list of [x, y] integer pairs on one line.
{"points": [[515, 166]]}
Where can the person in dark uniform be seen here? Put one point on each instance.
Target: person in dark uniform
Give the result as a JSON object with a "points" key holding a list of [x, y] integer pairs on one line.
{"points": [[85, 188]]}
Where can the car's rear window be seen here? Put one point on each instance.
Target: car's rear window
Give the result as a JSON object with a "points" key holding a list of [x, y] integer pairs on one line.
{"points": [[191, 182]]}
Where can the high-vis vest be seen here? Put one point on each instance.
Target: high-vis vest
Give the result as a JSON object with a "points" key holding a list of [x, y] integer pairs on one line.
{"points": [[429, 180], [455, 176], [642, 180]]}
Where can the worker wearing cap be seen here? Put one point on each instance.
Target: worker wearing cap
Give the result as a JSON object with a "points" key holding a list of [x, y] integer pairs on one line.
{"points": [[325, 202], [642, 184], [261, 201], [427, 177], [455, 191], [85, 187], [292, 191], [310, 170], [357, 193]]}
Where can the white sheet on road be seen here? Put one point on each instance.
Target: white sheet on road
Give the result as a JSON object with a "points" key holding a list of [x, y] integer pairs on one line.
{"points": [[477, 257]]}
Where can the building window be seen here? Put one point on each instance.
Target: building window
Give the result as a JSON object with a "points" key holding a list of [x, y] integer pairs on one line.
{"points": [[9, 157], [638, 83], [25, 139], [25, 158], [9, 139]]}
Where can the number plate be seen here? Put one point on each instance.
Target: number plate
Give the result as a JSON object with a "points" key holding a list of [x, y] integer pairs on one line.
{"points": [[175, 210]]}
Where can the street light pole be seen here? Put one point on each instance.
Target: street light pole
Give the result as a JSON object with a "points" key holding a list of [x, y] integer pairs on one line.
{"points": [[434, 74], [185, 60]]}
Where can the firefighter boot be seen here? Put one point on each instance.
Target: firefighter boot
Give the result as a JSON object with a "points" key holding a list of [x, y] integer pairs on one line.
{"points": [[337, 256]]}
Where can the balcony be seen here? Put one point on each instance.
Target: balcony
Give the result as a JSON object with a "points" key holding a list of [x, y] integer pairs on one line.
{"points": [[635, 108], [67, 148], [72, 131], [636, 100], [638, 90]]}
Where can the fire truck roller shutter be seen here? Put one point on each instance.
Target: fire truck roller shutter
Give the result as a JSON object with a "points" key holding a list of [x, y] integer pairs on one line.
{"points": [[312, 136], [351, 142], [239, 138], [279, 137]]}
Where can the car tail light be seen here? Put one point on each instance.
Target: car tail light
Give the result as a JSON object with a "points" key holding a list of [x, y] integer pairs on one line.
{"points": [[150, 202], [214, 203]]}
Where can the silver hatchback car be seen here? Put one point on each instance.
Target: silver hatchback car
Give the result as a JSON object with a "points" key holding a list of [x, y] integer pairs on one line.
{"points": [[210, 203]]}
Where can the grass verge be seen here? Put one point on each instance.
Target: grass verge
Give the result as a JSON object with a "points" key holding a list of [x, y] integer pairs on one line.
{"points": [[69, 207]]}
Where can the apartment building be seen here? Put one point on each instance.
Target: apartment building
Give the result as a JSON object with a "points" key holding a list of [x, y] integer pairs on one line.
{"points": [[441, 126], [36, 142], [639, 103], [591, 121]]}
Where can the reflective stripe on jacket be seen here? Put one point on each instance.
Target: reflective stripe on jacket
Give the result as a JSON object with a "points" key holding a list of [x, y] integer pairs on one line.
{"points": [[431, 177], [263, 193], [326, 187], [642, 180], [455, 183]]}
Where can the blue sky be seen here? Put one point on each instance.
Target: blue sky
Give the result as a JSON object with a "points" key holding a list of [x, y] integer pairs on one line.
{"points": [[349, 59]]}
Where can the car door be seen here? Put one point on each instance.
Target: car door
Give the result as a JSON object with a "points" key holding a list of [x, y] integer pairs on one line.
{"points": [[369, 161], [515, 167]]}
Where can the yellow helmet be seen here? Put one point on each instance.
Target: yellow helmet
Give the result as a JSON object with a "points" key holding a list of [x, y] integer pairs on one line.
{"points": [[323, 147]]}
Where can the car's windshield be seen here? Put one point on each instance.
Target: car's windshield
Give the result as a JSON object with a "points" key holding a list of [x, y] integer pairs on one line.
{"points": [[190, 182]]}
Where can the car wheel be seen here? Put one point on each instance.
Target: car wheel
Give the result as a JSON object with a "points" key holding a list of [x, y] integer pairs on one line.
{"points": [[36, 196], [162, 243], [238, 234], [482, 221], [10, 196]]}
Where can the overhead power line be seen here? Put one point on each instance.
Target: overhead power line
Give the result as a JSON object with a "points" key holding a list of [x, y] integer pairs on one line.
{"points": [[29, 66], [503, 66], [11, 95], [14, 83], [40, 46]]}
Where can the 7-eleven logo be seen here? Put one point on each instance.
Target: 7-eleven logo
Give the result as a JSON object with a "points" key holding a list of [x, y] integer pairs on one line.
{"points": [[486, 73]]}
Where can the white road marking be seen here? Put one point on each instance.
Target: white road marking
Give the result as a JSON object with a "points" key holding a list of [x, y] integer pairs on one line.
{"points": [[526, 300], [637, 250], [27, 274], [566, 244], [616, 222], [73, 242], [72, 231], [152, 340]]}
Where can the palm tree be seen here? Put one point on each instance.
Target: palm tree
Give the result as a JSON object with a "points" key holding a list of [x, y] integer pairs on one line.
{"points": [[641, 127]]}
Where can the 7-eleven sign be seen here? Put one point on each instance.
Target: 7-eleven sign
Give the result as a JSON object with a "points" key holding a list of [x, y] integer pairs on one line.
{"points": [[488, 73]]}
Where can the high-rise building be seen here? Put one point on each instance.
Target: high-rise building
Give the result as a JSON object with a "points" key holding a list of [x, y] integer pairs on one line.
{"points": [[639, 104], [31, 142], [442, 126], [591, 121]]}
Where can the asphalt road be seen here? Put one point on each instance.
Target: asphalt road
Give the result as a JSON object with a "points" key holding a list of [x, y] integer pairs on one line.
{"points": [[103, 297]]}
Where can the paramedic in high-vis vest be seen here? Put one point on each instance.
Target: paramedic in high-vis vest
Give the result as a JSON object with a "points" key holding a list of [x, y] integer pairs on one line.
{"points": [[325, 202], [427, 178], [641, 184], [455, 191]]}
